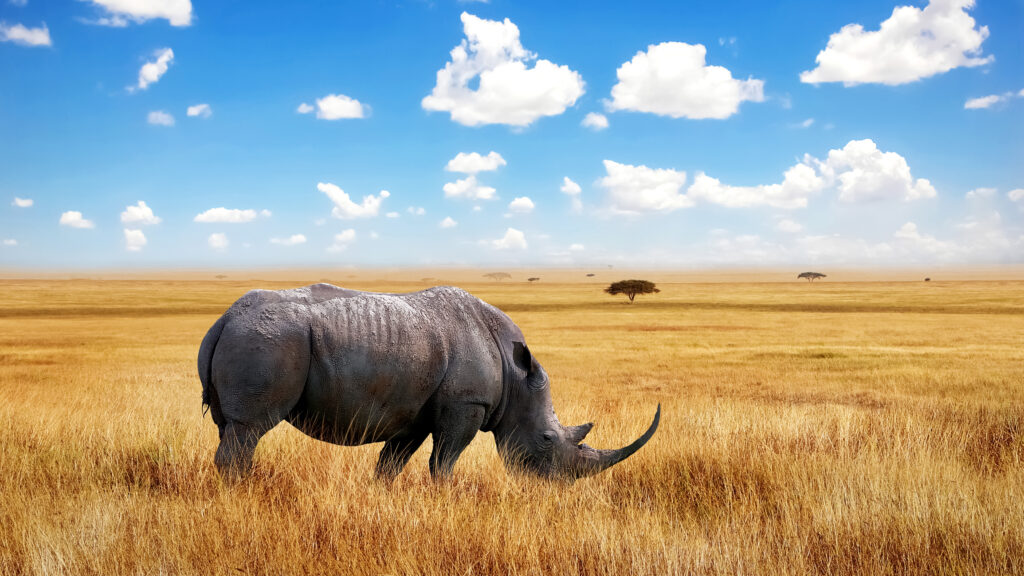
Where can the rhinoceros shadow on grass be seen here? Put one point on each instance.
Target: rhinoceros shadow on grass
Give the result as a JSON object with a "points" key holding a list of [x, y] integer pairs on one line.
{"points": [[352, 368]]}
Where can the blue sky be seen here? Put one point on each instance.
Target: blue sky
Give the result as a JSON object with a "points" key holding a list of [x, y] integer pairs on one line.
{"points": [[719, 134]]}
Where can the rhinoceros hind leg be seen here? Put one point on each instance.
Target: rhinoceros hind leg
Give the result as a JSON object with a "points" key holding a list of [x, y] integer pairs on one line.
{"points": [[454, 431], [396, 454], [237, 446]]}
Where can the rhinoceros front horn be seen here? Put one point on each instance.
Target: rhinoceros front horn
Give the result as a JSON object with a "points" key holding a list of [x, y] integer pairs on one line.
{"points": [[592, 461]]}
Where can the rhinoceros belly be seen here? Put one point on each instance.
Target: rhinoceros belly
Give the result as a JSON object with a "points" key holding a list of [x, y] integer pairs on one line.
{"points": [[374, 366]]}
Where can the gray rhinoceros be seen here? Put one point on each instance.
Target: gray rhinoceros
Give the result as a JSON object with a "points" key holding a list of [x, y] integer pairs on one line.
{"points": [[351, 368]]}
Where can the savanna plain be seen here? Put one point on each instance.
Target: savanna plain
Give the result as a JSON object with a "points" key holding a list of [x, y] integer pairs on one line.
{"points": [[808, 428]]}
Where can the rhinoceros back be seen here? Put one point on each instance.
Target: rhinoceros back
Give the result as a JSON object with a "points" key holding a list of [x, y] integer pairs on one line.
{"points": [[379, 359], [352, 367]]}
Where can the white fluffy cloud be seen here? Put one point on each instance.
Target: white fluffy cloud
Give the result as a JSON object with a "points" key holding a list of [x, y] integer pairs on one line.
{"points": [[346, 209], [980, 193], [152, 71], [140, 214], [293, 240], [160, 118], [512, 240], [10, 242], [342, 240], [121, 12], [415, 210], [982, 102], [994, 219], [223, 215], [859, 172], [468, 187], [639, 189], [218, 241], [134, 240], [521, 205], [912, 44], [574, 192], [508, 91], [595, 121], [788, 226], [863, 172], [798, 183], [991, 100], [906, 245], [984, 238], [200, 110], [1016, 195], [448, 222], [74, 219], [337, 107], [22, 202], [305, 108], [19, 34], [672, 79], [473, 162], [910, 239], [978, 240]]}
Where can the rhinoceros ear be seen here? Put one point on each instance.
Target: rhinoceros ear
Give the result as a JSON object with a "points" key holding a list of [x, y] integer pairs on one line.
{"points": [[522, 357]]}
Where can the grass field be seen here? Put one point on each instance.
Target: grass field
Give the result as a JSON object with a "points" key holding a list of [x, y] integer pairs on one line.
{"points": [[837, 428]]}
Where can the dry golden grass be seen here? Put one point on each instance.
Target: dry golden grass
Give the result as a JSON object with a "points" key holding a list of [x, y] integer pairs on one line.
{"points": [[863, 428]]}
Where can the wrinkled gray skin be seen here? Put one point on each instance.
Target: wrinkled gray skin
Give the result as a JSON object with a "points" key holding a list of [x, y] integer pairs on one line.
{"points": [[352, 368]]}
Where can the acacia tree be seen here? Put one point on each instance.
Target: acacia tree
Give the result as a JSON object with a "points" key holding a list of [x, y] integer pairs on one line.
{"points": [[631, 288], [534, 279], [499, 276], [811, 276]]}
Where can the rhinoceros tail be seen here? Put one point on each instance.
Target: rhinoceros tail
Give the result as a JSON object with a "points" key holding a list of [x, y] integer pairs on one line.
{"points": [[206, 350]]}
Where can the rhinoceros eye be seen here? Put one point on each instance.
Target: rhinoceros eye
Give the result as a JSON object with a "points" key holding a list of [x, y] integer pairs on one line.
{"points": [[547, 440]]}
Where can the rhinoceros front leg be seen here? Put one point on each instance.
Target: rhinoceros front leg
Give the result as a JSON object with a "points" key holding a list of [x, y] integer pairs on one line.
{"points": [[454, 430], [396, 454]]}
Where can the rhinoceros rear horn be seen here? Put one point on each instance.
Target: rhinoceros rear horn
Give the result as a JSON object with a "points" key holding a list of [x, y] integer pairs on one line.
{"points": [[592, 461], [576, 434]]}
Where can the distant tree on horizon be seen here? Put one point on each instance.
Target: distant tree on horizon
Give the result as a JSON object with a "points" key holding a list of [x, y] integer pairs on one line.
{"points": [[811, 276], [631, 288], [534, 279], [498, 276]]}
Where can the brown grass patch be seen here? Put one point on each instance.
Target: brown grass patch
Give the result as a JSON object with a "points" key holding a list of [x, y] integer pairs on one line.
{"points": [[807, 429]]}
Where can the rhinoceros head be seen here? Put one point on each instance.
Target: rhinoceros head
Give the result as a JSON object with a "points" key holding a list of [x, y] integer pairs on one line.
{"points": [[530, 437]]}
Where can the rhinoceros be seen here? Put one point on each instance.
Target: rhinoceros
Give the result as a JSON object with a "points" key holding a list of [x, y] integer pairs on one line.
{"points": [[351, 368]]}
